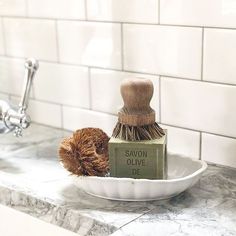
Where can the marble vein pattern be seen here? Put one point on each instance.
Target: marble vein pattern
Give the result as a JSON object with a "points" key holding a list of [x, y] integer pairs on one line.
{"points": [[33, 181], [209, 208]]}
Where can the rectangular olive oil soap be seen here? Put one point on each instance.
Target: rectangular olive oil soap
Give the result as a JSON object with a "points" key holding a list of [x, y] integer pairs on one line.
{"points": [[139, 159]]}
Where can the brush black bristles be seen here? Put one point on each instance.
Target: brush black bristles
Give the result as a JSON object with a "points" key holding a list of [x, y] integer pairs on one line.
{"points": [[138, 133]]}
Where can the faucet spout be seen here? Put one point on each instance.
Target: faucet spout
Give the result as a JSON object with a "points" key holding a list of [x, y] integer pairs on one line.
{"points": [[16, 119]]}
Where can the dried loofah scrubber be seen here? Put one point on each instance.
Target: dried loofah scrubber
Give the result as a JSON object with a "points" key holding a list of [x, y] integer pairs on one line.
{"points": [[86, 152], [136, 120]]}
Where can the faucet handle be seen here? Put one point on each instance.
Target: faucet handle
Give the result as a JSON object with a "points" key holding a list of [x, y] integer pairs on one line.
{"points": [[31, 66]]}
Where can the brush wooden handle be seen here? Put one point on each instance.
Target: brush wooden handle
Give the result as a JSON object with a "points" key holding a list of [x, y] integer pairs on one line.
{"points": [[137, 94]]}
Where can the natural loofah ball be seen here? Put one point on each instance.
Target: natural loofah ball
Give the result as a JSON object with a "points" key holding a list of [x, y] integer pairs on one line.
{"points": [[86, 152]]}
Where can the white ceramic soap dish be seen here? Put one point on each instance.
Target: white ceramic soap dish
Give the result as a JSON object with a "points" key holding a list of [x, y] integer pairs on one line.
{"points": [[183, 173]]}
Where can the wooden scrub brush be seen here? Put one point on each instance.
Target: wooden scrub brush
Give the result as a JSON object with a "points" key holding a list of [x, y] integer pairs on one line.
{"points": [[86, 152], [136, 119]]}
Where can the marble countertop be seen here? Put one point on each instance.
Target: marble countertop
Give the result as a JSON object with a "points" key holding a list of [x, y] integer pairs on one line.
{"points": [[33, 181]]}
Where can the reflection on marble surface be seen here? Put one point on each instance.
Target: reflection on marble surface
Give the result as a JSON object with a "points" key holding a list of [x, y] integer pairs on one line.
{"points": [[38, 163], [33, 181], [32, 135]]}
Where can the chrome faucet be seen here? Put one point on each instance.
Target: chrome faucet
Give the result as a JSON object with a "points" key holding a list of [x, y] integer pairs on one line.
{"points": [[16, 119]]}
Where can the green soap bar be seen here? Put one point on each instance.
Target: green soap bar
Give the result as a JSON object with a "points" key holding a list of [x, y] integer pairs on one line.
{"points": [[139, 159]]}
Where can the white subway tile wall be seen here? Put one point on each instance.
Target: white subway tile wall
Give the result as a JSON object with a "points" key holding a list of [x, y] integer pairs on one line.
{"points": [[76, 118], [42, 112], [46, 113], [142, 11], [70, 84], [215, 13], [11, 75], [26, 37], [13, 7], [183, 142], [217, 149], [58, 9], [90, 43], [220, 55], [86, 47], [165, 50], [199, 105]]}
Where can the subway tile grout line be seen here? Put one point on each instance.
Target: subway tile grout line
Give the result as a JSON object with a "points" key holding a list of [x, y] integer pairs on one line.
{"points": [[127, 71], [50, 126], [90, 88], [4, 93], [198, 131], [117, 22], [197, 80], [180, 127], [112, 114], [87, 109], [62, 118], [59, 104], [78, 20], [4, 37], [55, 103], [57, 41], [200, 26], [27, 8], [159, 12], [122, 45], [159, 99], [85, 10], [202, 54], [200, 146]]}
